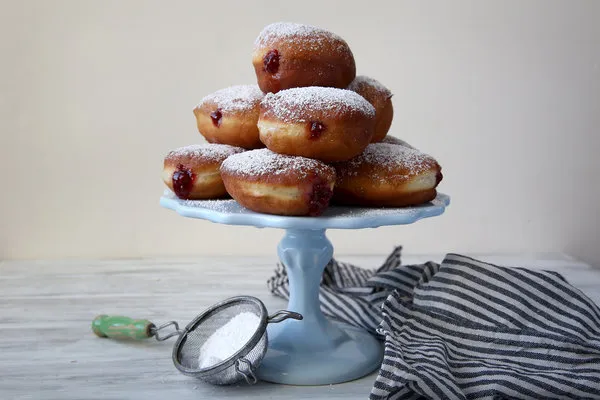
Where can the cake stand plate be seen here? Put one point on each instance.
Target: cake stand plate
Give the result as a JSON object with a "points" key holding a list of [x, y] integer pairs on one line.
{"points": [[313, 351]]}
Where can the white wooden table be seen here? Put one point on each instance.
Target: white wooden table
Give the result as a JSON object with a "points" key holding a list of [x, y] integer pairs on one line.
{"points": [[47, 350]]}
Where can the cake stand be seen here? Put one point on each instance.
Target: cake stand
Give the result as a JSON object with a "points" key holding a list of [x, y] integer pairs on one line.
{"points": [[313, 351]]}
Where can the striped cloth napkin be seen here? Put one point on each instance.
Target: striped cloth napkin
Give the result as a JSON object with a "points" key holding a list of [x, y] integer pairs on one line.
{"points": [[465, 329]]}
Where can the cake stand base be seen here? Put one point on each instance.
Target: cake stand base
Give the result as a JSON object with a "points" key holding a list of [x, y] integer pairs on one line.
{"points": [[350, 353], [314, 351]]}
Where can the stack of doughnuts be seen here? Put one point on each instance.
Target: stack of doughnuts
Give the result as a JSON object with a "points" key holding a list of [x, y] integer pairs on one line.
{"points": [[310, 132]]}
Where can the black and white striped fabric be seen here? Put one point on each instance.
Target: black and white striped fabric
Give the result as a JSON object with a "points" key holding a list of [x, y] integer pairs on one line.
{"points": [[346, 292], [465, 329]]}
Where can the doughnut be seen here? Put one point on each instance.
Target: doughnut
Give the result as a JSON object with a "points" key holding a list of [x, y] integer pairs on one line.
{"points": [[394, 140], [271, 183], [380, 97], [387, 175], [288, 55], [229, 116], [192, 172], [326, 124]]}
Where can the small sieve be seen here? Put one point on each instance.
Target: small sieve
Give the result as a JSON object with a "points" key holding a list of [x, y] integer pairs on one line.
{"points": [[186, 351]]}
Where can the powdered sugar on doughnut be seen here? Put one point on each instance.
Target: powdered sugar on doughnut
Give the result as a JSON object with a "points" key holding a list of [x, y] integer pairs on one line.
{"points": [[310, 37], [396, 141], [362, 82], [209, 152], [389, 157], [264, 162], [296, 105], [235, 98]]}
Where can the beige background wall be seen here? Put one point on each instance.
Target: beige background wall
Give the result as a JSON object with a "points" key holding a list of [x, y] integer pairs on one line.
{"points": [[506, 94]]}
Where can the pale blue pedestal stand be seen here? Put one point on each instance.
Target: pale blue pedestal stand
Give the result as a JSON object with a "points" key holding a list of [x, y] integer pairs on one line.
{"points": [[314, 351]]}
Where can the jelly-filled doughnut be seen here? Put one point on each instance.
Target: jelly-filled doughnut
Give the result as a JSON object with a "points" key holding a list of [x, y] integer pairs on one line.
{"points": [[387, 175], [229, 116], [288, 55], [271, 183], [327, 124], [192, 172], [394, 140], [380, 97]]}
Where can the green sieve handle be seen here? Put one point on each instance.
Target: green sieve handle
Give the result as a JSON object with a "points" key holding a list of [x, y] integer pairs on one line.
{"points": [[119, 327]]}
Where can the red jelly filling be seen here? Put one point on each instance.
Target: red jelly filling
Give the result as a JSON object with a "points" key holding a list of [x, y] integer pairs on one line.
{"points": [[271, 61], [316, 129], [319, 197], [183, 182], [216, 117], [438, 178]]}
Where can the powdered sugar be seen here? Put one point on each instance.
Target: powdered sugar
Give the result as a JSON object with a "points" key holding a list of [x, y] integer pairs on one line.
{"points": [[211, 152], [394, 140], [235, 98], [264, 162], [389, 158], [228, 339], [310, 36], [362, 83], [297, 104], [219, 205], [373, 212]]}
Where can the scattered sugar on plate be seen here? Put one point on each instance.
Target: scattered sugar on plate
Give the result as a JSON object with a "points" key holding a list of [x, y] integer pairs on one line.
{"points": [[221, 205], [228, 339], [361, 212], [232, 206]]}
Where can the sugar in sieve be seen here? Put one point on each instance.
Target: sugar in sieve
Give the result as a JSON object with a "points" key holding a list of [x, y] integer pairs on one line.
{"points": [[187, 351]]}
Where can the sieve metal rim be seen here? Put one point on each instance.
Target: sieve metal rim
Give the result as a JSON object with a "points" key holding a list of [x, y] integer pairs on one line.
{"points": [[249, 346]]}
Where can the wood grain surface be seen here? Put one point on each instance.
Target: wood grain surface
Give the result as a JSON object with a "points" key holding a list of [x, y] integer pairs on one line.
{"points": [[48, 351]]}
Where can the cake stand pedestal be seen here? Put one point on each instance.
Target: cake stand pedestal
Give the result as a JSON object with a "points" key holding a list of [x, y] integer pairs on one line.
{"points": [[313, 351]]}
